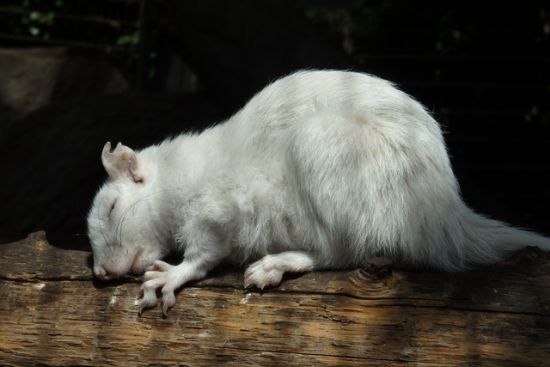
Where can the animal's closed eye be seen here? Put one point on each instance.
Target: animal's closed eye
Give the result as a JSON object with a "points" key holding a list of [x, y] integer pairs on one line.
{"points": [[112, 207]]}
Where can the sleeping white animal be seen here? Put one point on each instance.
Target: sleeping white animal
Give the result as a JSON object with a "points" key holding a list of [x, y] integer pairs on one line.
{"points": [[320, 170]]}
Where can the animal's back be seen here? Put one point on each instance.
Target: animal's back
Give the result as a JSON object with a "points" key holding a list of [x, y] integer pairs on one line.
{"points": [[264, 127], [355, 153]]}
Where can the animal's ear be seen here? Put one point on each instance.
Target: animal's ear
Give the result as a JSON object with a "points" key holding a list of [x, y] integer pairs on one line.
{"points": [[121, 162]]}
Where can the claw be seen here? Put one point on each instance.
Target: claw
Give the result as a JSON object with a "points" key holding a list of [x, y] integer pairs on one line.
{"points": [[142, 306], [168, 301], [148, 299]]}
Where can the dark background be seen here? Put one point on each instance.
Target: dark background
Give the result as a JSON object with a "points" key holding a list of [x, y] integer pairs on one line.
{"points": [[75, 74]]}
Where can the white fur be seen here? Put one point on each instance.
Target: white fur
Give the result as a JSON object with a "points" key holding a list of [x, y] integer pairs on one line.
{"points": [[324, 168]]}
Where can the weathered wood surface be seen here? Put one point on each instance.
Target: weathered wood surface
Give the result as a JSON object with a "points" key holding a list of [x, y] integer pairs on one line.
{"points": [[53, 313]]}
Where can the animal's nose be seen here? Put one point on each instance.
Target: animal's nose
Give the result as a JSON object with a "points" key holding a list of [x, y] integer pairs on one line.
{"points": [[103, 273]]}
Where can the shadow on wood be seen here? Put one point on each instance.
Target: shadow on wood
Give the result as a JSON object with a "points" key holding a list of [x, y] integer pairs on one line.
{"points": [[52, 314]]}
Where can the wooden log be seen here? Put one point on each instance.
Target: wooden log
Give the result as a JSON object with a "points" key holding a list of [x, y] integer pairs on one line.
{"points": [[53, 313]]}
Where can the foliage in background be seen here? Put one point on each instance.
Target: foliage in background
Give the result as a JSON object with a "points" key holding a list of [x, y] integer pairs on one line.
{"points": [[35, 22], [111, 27]]}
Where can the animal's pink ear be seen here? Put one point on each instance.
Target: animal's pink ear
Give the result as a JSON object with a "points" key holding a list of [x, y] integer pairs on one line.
{"points": [[121, 162]]}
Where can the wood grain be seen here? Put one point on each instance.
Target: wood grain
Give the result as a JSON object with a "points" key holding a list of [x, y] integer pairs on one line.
{"points": [[53, 313]]}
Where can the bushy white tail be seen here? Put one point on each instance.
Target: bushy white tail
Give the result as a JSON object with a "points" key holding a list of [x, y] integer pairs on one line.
{"points": [[485, 241]]}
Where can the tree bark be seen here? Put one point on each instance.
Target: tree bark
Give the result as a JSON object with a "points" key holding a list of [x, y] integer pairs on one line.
{"points": [[53, 313]]}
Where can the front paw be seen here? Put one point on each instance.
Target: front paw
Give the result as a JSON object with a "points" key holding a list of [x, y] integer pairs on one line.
{"points": [[263, 273], [161, 275]]}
